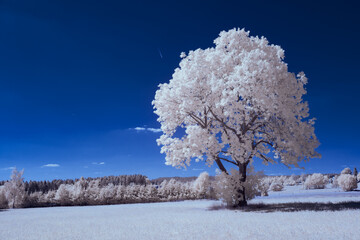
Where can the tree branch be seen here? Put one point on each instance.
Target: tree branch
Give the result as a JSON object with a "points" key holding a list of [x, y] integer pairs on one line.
{"points": [[220, 165], [229, 161], [226, 126], [197, 119], [261, 141]]}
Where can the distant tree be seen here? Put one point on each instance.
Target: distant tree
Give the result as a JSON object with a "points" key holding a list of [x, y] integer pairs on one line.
{"points": [[335, 183], [63, 194], [316, 181], [346, 171], [355, 173], [15, 189], [347, 182], [235, 101], [290, 181], [276, 186], [107, 194], [3, 200], [201, 185]]}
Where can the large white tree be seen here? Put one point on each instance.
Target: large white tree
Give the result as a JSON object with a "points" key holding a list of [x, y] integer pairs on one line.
{"points": [[236, 101]]}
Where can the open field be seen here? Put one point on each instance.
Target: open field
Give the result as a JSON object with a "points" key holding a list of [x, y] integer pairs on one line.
{"points": [[186, 220]]}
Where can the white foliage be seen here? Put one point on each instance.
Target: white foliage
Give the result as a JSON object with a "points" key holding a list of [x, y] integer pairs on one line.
{"points": [[276, 186], [335, 183], [347, 182], [346, 171], [316, 181], [302, 178], [290, 181], [237, 96], [358, 177], [201, 185], [108, 193], [227, 187], [15, 189], [63, 194]]}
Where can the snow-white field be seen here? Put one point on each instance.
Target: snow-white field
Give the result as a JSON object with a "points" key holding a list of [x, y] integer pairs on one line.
{"points": [[187, 220]]}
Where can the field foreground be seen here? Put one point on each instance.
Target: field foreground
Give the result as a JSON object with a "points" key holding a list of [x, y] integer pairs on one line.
{"points": [[184, 220]]}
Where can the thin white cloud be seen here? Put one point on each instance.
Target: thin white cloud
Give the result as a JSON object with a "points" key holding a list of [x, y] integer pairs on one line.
{"points": [[8, 168], [197, 169], [51, 165], [98, 163], [154, 130]]}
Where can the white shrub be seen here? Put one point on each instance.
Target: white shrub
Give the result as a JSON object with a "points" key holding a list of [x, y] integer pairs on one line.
{"points": [[276, 186], [264, 186], [358, 177], [346, 171], [50, 196], [316, 181], [290, 181], [347, 182], [301, 179]]}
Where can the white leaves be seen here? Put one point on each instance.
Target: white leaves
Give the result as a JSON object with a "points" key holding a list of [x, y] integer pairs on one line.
{"points": [[15, 189], [347, 182], [216, 92], [316, 181]]}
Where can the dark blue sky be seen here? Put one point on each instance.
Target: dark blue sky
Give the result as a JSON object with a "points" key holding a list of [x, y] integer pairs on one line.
{"points": [[76, 78]]}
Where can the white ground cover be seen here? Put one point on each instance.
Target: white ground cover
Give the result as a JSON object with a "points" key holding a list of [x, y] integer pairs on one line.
{"points": [[299, 194], [184, 220]]}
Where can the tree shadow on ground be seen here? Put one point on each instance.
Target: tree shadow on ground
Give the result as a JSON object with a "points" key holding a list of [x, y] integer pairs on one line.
{"points": [[293, 207]]}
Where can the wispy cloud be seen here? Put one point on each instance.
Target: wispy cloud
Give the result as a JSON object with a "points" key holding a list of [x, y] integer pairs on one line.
{"points": [[154, 130], [197, 169], [98, 163], [8, 168], [51, 165]]}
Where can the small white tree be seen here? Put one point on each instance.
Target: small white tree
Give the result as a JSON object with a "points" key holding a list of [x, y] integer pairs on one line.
{"points": [[316, 181], [347, 182], [235, 101], [346, 171], [15, 189], [201, 185], [358, 177]]}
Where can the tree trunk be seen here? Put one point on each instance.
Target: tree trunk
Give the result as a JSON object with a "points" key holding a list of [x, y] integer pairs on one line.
{"points": [[241, 191], [241, 197]]}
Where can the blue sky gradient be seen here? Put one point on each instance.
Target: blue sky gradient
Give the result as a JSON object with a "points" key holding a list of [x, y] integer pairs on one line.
{"points": [[77, 78]]}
